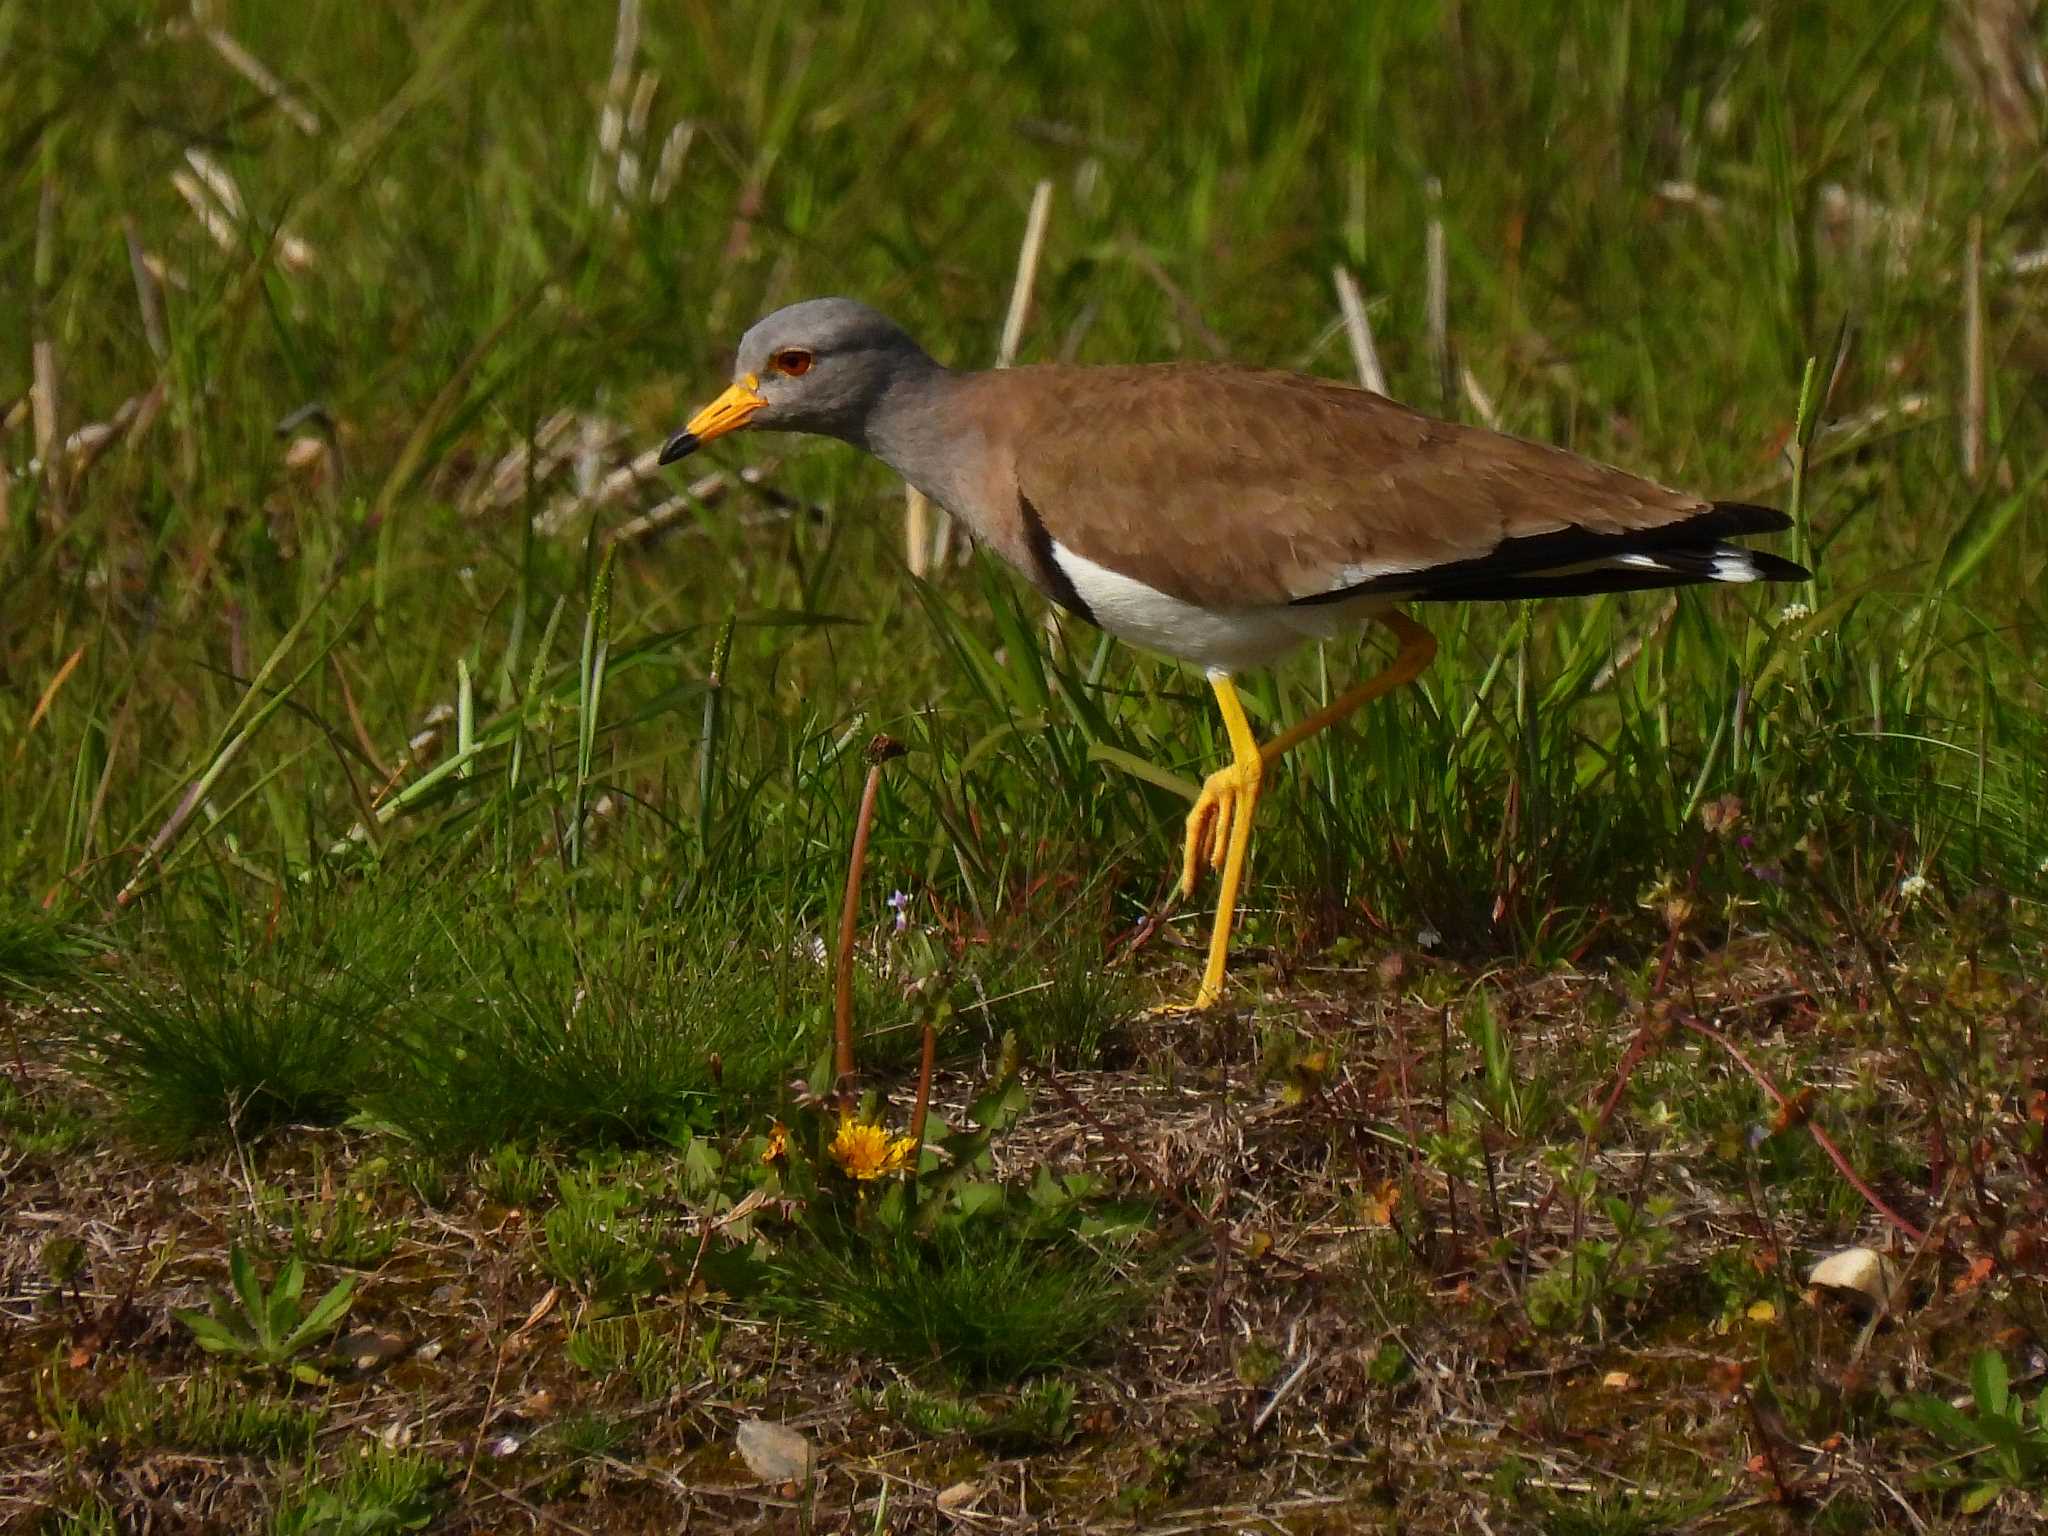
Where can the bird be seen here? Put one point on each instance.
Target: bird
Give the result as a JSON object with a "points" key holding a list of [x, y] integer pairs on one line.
{"points": [[1223, 514]]}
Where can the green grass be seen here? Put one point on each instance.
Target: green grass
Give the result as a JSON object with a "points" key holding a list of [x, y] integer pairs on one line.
{"points": [[38, 953], [224, 1029], [979, 1302], [599, 1241], [206, 1415], [381, 1492], [353, 775], [1518, 802]]}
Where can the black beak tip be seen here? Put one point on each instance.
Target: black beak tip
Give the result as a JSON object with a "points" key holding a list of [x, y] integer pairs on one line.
{"points": [[681, 446]]}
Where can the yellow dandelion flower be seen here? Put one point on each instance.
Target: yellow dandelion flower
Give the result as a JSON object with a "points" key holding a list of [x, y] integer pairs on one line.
{"points": [[778, 1144], [867, 1152]]}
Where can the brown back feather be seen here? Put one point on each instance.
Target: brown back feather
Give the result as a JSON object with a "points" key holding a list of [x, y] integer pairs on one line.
{"points": [[1270, 485]]}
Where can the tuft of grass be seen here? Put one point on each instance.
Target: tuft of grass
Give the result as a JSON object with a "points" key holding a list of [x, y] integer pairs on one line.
{"points": [[1038, 1417], [625, 1046], [40, 954], [346, 1230], [980, 1302], [584, 1435], [601, 1241], [94, 1517], [636, 1348], [239, 1031], [207, 1415], [1619, 1513], [38, 1122], [383, 1493], [1061, 1005], [513, 1175]]}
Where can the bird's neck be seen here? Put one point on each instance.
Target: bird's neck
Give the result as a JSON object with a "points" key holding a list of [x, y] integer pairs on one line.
{"points": [[913, 429]]}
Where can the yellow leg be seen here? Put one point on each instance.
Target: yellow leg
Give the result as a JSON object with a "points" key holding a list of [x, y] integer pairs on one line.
{"points": [[1219, 831], [1418, 650], [1228, 800]]}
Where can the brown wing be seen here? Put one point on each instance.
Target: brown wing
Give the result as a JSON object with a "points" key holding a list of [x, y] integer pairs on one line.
{"points": [[1241, 487]]}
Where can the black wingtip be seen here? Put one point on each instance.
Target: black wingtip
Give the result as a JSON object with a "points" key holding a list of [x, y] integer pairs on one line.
{"points": [[1738, 517], [681, 446], [1770, 567]]}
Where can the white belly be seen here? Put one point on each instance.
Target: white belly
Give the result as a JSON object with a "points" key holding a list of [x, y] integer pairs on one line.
{"points": [[1223, 639]]}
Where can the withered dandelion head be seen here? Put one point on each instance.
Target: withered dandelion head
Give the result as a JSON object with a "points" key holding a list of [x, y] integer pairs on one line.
{"points": [[868, 1152], [777, 1150]]}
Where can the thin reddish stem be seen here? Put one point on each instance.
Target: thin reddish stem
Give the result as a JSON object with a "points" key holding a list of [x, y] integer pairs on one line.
{"points": [[1821, 1138], [924, 1090], [879, 751]]}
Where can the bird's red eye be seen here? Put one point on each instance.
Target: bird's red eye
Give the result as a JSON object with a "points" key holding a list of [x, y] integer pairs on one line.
{"points": [[793, 361]]}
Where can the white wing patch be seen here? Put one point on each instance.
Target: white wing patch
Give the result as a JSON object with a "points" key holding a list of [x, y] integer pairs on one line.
{"points": [[1731, 564]]}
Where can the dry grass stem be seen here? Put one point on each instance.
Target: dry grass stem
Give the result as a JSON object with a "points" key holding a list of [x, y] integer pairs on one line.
{"points": [[1480, 401], [1185, 308], [606, 168], [1438, 293], [668, 168], [149, 297], [1358, 327], [44, 399], [706, 491], [565, 512], [927, 1061], [215, 198], [253, 69], [89, 444], [1973, 352], [1995, 46], [1026, 279], [917, 531]]}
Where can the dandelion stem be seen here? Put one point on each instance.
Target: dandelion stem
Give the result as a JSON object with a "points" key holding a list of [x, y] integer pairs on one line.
{"points": [[879, 751], [924, 1091]]}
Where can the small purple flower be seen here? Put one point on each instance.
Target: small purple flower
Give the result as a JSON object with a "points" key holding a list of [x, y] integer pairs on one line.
{"points": [[899, 903]]}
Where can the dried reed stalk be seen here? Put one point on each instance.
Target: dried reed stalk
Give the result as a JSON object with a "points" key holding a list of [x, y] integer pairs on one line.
{"points": [[917, 531], [618, 97], [1439, 294], [253, 69], [1973, 352], [1480, 401], [149, 297], [43, 396], [1358, 326], [1995, 47]]}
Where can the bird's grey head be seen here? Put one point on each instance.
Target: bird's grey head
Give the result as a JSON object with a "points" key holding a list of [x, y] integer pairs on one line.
{"points": [[819, 366]]}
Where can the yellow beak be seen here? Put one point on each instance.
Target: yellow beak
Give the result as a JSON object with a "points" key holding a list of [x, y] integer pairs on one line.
{"points": [[727, 413]]}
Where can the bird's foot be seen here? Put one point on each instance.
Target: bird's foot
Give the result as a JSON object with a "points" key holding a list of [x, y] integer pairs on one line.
{"points": [[1203, 1001], [1221, 817], [1227, 794]]}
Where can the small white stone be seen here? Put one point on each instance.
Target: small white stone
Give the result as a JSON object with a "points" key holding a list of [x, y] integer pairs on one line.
{"points": [[775, 1454], [1859, 1272]]}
